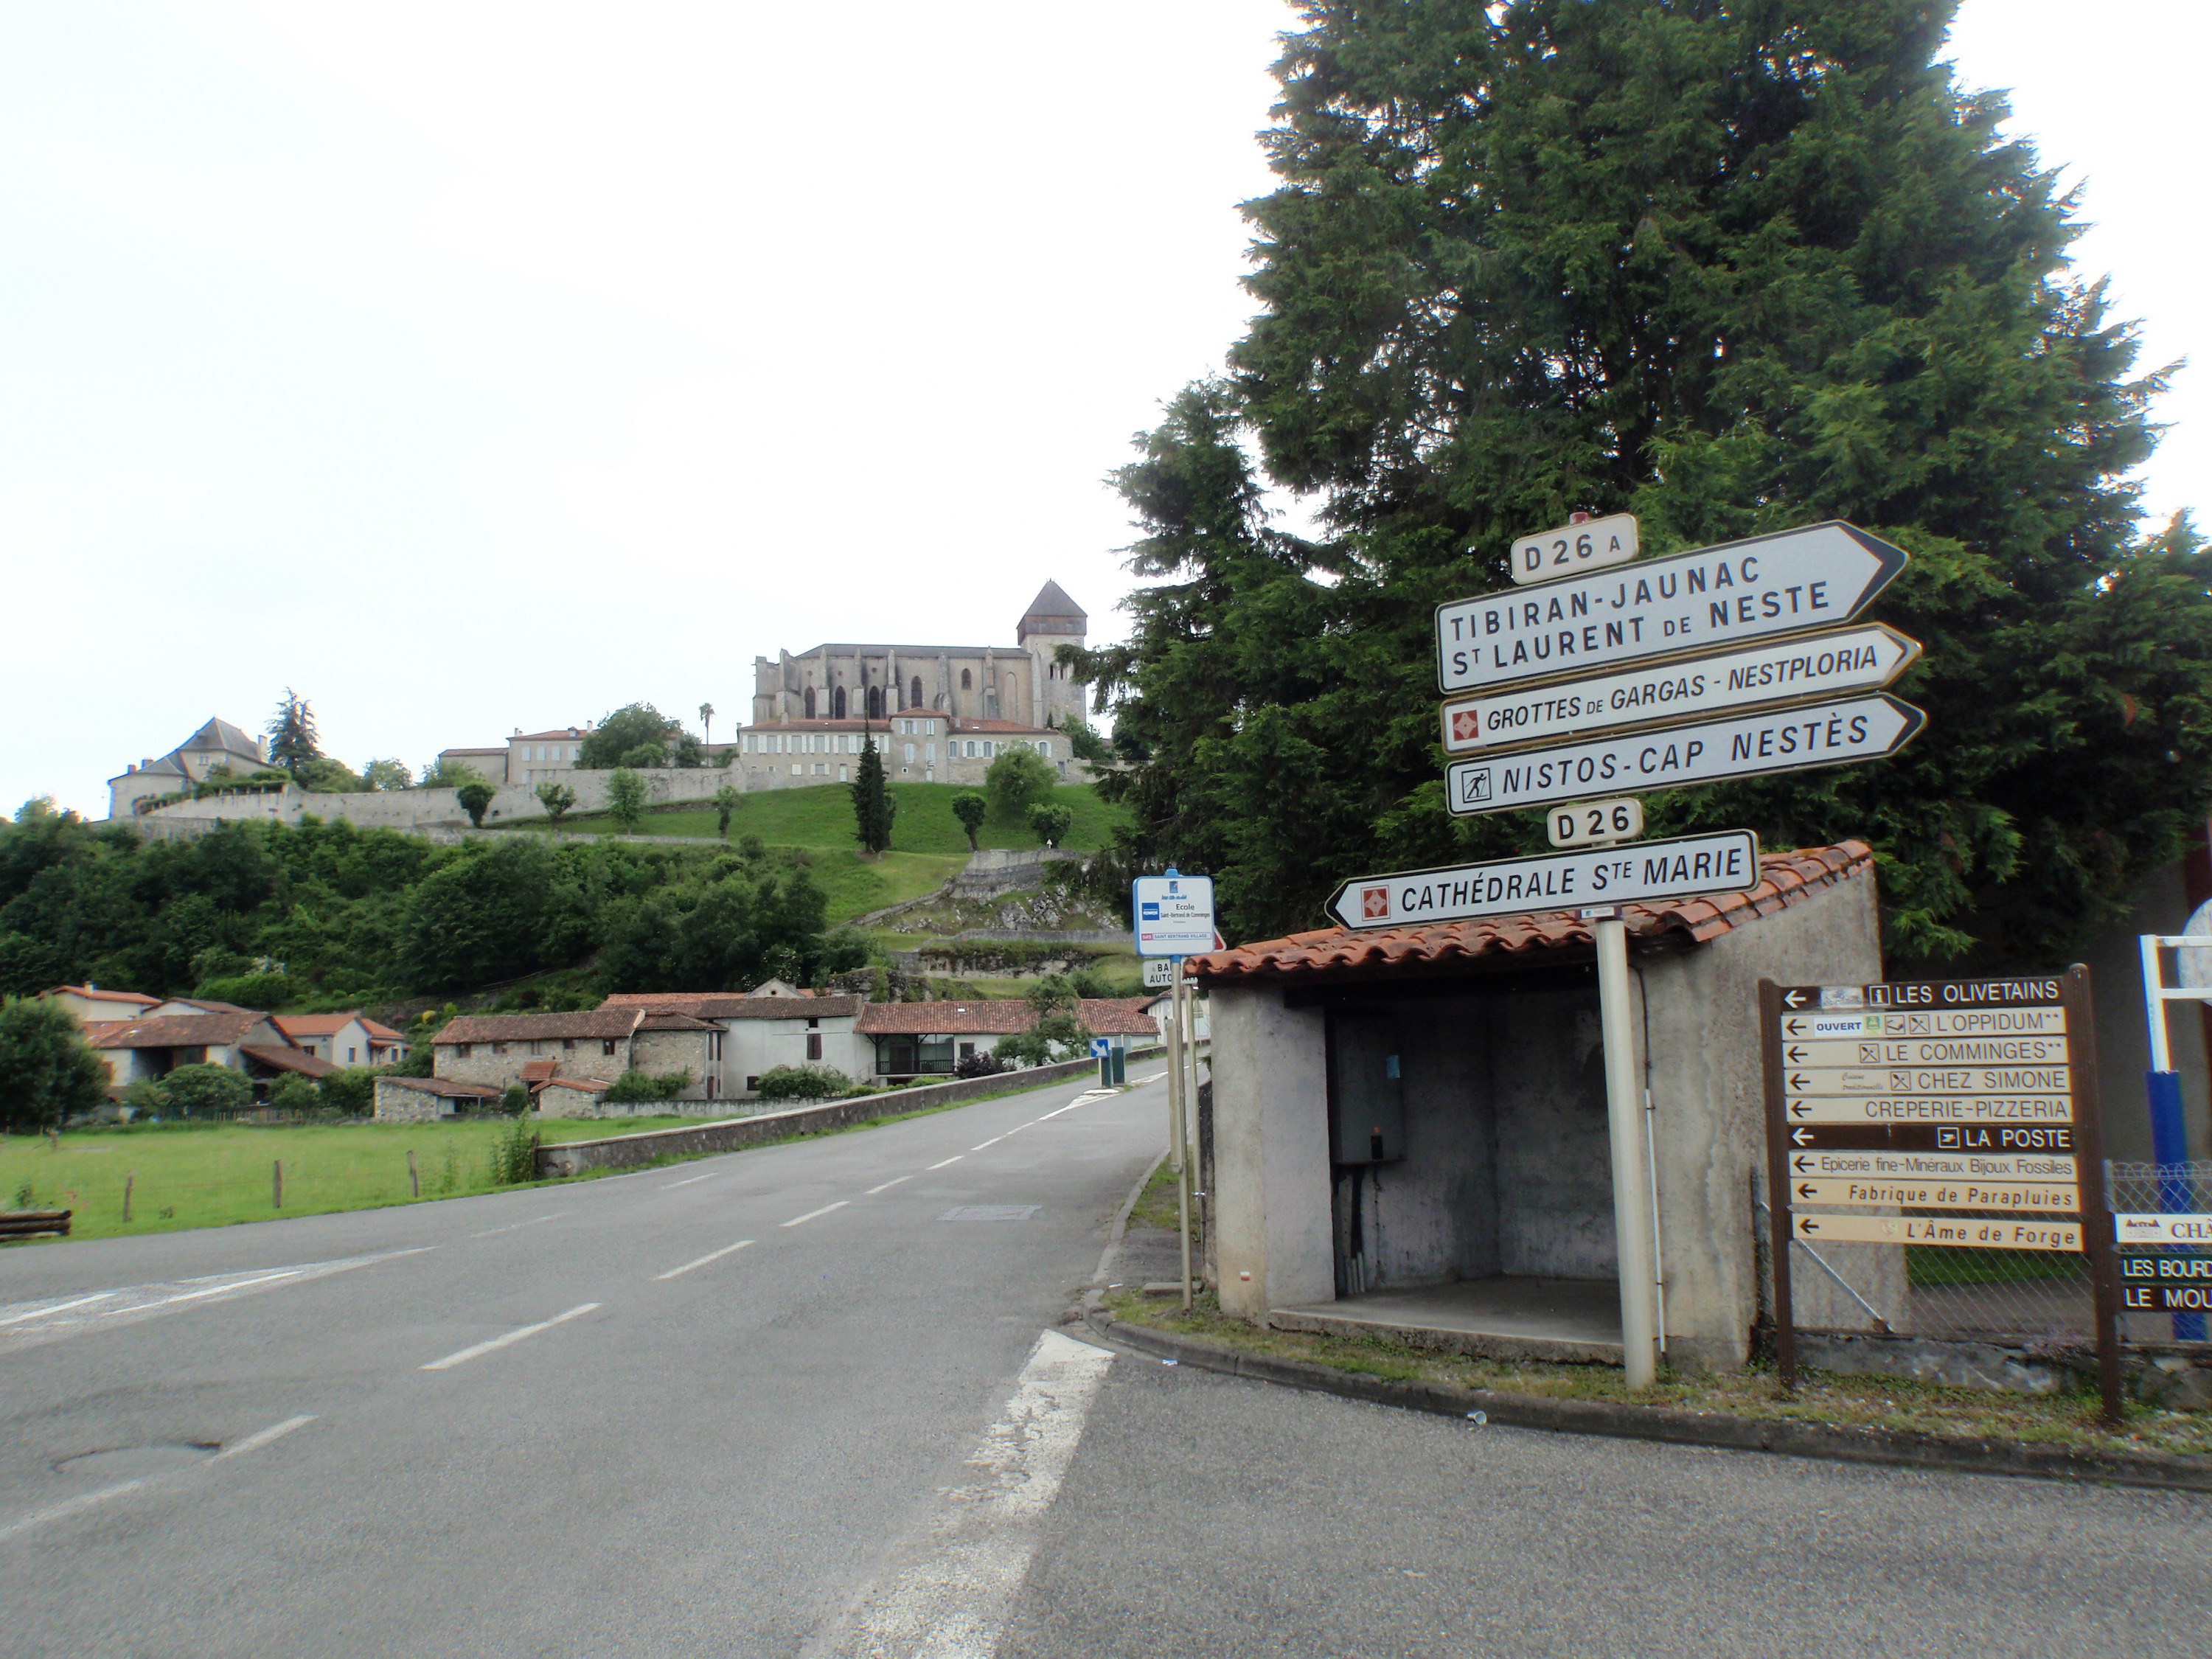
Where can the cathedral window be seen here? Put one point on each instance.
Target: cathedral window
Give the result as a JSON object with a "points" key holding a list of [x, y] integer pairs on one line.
{"points": [[966, 683], [837, 702], [914, 701], [810, 703]]}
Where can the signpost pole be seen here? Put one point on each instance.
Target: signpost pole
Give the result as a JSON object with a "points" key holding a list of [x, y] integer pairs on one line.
{"points": [[1174, 1066], [1624, 1100], [1186, 1095], [2089, 1176], [1778, 1184]]}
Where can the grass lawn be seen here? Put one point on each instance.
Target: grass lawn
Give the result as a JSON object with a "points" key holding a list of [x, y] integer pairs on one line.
{"points": [[821, 816], [856, 886], [193, 1178]]}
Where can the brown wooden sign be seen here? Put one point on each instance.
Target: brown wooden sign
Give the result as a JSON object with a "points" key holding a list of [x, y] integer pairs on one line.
{"points": [[1952, 1113]]}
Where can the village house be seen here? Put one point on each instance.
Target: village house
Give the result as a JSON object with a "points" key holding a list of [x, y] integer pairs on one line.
{"points": [[93, 1006], [494, 1051], [771, 1025], [930, 1039], [426, 1099], [239, 1038], [343, 1039]]}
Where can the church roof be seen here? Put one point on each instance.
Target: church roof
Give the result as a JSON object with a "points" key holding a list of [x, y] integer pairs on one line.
{"points": [[1052, 600], [221, 734]]}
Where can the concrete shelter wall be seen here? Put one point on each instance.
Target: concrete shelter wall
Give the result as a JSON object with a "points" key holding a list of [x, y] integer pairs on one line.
{"points": [[1554, 1168], [1702, 1044], [1270, 1152]]}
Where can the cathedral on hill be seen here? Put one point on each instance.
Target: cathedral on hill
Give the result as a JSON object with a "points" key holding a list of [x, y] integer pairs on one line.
{"points": [[1021, 684], [939, 714]]}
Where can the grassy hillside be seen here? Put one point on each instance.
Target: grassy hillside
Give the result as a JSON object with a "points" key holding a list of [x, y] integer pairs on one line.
{"points": [[821, 816]]}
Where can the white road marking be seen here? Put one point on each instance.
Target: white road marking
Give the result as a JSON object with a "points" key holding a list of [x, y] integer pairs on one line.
{"points": [[482, 1348], [970, 1556], [673, 1185], [885, 1187], [955, 1158], [56, 1307], [194, 1296], [711, 1255], [992, 1141], [514, 1226], [273, 1432], [810, 1215], [60, 1511]]}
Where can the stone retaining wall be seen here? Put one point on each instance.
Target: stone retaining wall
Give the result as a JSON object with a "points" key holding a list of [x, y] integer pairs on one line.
{"points": [[625, 1151]]}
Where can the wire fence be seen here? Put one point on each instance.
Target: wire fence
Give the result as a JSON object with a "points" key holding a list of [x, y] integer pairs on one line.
{"points": [[1990, 1290]]}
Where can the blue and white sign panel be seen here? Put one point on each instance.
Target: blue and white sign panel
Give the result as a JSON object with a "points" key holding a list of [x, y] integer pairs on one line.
{"points": [[1100, 1048], [1726, 861], [1174, 914]]}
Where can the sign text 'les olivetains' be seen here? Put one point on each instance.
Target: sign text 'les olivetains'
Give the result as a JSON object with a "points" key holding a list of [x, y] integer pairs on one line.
{"points": [[1790, 582]]}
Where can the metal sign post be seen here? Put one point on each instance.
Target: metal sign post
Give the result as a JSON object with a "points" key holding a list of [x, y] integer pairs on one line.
{"points": [[2169, 1136], [1171, 916], [1634, 1240]]}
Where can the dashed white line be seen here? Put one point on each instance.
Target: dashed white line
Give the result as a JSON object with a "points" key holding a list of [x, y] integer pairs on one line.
{"points": [[273, 1432], [810, 1215], [60, 1510], [992, 1141], [673, 1185], [711, 1255], [955, 1158], [58, 1307], [482, 1348], [194, 1296], [885, 1187], [517, 1225]]}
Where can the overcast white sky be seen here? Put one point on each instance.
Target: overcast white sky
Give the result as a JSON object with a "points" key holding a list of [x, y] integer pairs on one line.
{"points": [[471, 366]]}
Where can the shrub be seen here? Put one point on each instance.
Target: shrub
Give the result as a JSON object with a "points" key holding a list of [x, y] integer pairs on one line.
{"points": [[977, 1065], [294, 1093], [262, 991], [513, 1157], [971, 808], [473, 798], [205, 1090], [635, 1088], [516, 1101], [1052, 822], [350, 1089], [803, 1083], [1019, 780]]}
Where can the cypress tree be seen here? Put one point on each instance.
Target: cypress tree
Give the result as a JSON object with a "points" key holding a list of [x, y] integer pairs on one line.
{"points": [[873, 805], [1732, 269]]}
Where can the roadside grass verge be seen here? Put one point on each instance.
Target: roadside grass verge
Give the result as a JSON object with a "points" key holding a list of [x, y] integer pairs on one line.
{"points": [[2063, 1420], [183, 1175]]}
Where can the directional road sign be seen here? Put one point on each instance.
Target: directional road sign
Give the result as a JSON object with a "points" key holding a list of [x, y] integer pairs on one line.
{"points": [[1932, 1166], [1818, 576], [1678, 867], [2141, 1229], [1865, 657], [1972, 1232], [1922, 1051], [1174, 914], [1672, 757], [2010, 1197], [1593, 544], [1976, 1139], [1159, 974]]}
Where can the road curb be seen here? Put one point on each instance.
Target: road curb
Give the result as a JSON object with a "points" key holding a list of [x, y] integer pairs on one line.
{"points": [[1897, 1448]]}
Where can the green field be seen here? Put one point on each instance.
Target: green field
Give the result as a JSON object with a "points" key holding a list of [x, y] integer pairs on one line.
{"points": [[821, 816], [195, 1177], [856, 885]]}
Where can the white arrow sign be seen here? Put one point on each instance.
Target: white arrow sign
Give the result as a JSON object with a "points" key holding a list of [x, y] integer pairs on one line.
{"points": [[1681, 867], [1862, 658], [1673, 758], [1787, 583]]}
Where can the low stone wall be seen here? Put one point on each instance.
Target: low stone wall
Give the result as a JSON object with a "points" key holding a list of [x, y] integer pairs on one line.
{"points": [[417, 810], [625, 1151]]}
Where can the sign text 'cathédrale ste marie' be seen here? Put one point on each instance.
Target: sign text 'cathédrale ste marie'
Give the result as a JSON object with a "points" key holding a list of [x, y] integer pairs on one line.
{"points": [[1724, 861]]}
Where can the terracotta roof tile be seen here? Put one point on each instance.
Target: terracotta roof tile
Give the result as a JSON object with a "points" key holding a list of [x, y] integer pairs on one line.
{"points": [[731, 1005], [582, 1085], [140, 998], [1786, 878], [296, 1026], [1003, 1017], [521, 1028], [537, 1071], [288, 1060], [438, 1086], [175, 1032]]}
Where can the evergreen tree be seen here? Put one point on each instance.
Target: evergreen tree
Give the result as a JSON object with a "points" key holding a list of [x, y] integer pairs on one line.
{"points": [[1729, 268], [292, 741], [873, 805]]}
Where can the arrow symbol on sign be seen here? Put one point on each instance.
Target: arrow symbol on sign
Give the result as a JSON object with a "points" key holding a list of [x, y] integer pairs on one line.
{"points": [[1796, 1055], [1794, 1027], [1807, 1225], [1798, 1081], [1801, 1137], [1804, 1165], [1806, 1189], [1799, 1109], [1793, 999]]}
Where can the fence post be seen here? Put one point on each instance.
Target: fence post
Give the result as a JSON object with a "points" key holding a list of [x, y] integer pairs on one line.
{"points": [[414, 1178], [129, 1176], [276, 1184]]}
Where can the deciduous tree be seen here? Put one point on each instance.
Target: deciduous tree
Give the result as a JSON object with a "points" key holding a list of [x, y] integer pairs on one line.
{"points": [[626, 796], [1019, 780], [47, 1072], [474, 799], [971, 808], [556, 799]]}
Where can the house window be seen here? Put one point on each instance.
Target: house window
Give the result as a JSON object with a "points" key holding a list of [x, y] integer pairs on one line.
{"points": [[533, 1045], [752, 1083], [967, 1051], [710, 1085], [1044, 748], [461, 1050], [568, 1044], [714, 1046], [930, 753], [350, 1052], [909, 754], [606, 1045], [814, 1045], [498, 1048]]}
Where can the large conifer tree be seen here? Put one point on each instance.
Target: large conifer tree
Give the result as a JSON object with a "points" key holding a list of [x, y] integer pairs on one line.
{"points": [[1732, 269]]}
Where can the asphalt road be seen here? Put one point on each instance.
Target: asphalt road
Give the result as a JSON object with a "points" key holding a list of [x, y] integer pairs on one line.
{"points": [[595, 1421]]}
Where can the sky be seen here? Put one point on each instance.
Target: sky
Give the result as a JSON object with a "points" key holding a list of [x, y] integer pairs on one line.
{"points": [[475, 366]]}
